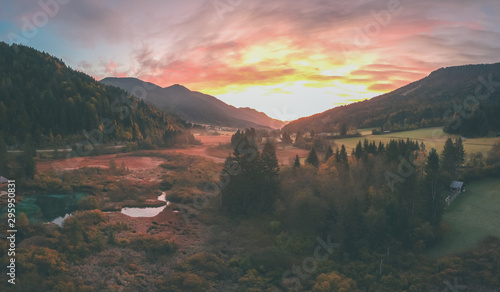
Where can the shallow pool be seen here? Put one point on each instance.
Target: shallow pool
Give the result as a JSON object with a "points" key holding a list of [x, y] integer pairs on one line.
{"points": [[42, 208], [146, 212]]}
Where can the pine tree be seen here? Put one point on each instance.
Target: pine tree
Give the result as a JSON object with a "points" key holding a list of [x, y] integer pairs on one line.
{"points": [[343, 129], [296, 162], [460, 152], [250, 178], [366, 145], [422, 146], [381, 147], [285, 138], [358, 153], [432, 166], [269, 181], [449, 157], [328, 153], [269, 160], [343, 155], [372, 148], [434, 205], [393, 150], [337, 155], [298, 138], [235, 139], [312, 158]]}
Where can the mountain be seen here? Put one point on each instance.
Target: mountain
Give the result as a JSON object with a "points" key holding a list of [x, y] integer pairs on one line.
{"points": [[454, 97], [194, 106], [41, 96]]}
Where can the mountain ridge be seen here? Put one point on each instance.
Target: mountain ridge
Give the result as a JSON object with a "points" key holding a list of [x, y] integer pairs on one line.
{"points": [[194, 106], [430, 101]]}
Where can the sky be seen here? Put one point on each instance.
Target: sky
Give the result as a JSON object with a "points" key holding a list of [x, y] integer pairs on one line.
{"points": [[287, 58]]}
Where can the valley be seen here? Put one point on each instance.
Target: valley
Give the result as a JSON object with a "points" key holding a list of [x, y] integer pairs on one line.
{"points": [[249, 146]]}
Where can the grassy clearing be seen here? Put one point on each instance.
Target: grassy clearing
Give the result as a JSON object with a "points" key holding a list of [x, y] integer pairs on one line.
{"points": [[472, 217], [432, 138]]}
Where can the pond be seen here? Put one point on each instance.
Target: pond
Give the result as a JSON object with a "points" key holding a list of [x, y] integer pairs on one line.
{"points": [[43, 208], [146, 212]]}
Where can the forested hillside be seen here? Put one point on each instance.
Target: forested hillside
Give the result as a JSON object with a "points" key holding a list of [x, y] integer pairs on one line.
{"points": [[464, 99], [41, 96]]}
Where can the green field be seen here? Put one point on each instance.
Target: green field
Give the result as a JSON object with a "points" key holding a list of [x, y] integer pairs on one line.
{"points": [[471, 217], [432, 138]]}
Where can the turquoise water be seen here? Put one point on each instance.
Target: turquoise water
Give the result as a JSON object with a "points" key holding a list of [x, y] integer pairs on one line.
{"points": [[41, 208]]}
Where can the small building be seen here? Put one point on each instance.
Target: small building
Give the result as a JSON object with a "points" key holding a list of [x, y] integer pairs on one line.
{"points": [[456, 188]]}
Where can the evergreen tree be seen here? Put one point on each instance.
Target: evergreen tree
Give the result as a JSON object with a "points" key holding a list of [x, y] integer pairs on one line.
{"points": [[296, 162], [372, 148], [432, 166], [366, 145], [381, 147], [285, 138], [422, 146], [250, 178], [235, 138], [434, 205], [298, 138], [312, 158], [358, 153], [270, 169], [449, 157], [270, 160], [343, 129], [392, 150], [328, 153], [460, 152], [343, 155]]}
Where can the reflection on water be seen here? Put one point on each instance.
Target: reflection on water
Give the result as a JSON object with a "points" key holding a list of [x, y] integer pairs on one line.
{"points": [[146, 212], [41, 208], [142, 212]]}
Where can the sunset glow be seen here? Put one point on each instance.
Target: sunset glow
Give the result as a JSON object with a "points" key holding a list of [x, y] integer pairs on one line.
{"points": [[288, 59]]}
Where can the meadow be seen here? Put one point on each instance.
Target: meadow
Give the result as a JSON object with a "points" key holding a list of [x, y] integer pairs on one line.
{"points": [[432, 138], [470, 218]]}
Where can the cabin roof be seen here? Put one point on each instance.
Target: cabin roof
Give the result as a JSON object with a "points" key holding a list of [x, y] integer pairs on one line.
{"points": [[456, 184]]}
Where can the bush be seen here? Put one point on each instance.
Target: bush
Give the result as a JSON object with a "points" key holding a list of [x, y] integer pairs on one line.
{"points": [[165, 185], [153, 245], [88, 203]]}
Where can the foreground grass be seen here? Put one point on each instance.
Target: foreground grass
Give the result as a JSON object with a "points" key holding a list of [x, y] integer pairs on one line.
{"points": [[472, 217], [432, 138]]}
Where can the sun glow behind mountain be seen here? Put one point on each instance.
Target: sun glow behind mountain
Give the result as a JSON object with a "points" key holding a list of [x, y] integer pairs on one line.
{"points": [[286, 58]]}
